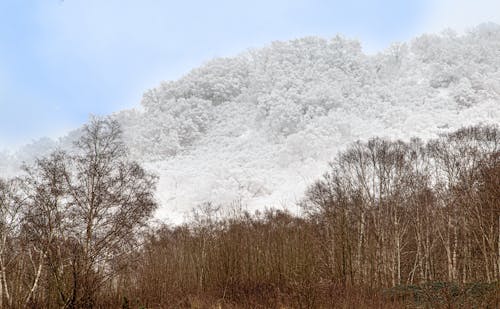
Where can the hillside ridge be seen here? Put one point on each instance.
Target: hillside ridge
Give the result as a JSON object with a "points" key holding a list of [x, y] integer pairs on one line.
{"points": [[259, 127]]}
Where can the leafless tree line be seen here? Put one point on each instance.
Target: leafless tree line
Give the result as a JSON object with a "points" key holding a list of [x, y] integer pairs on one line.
{"points": [[403, 213], [387, 214]]}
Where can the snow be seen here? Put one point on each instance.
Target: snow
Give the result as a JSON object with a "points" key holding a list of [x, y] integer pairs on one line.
{"points": [[259, 128]]}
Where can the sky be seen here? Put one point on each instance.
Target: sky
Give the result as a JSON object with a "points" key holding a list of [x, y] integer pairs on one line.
{"points": [[61, 61]]}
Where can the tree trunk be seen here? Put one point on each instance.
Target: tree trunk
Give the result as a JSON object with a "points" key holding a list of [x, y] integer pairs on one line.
{"points": [[35, 282]]}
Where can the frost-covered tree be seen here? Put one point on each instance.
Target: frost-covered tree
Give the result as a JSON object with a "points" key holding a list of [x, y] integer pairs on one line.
{"points": [[244, 115]]}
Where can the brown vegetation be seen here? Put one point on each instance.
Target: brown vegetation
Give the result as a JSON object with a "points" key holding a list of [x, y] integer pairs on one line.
{"points": [[392, 224]]}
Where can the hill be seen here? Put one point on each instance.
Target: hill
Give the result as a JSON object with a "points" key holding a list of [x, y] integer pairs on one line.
{"points": [[259, 127]]}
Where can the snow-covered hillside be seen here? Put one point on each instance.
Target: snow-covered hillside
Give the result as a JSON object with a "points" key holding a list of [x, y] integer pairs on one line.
{"points": [[259, 127]]}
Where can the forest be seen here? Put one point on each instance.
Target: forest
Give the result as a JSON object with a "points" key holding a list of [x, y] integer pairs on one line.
{"points": [[261, 126], [391, 224]]}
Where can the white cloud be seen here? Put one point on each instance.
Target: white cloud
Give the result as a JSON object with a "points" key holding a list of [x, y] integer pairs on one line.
{"points": [[461, 15]]}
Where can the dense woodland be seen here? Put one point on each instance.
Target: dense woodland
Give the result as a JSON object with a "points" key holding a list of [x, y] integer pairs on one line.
{"points": [[261, 125], [391, 224]]}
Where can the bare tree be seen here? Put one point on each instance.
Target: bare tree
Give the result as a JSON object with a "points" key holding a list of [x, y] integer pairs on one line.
{"points": [[87, 208], [16, 287], [9, 224]]}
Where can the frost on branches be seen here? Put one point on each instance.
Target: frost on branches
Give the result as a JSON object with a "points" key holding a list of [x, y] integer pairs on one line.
{"points": [[259, 127]]}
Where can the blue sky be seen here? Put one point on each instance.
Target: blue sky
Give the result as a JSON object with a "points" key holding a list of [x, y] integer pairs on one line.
{"points": [[63, 60]]}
